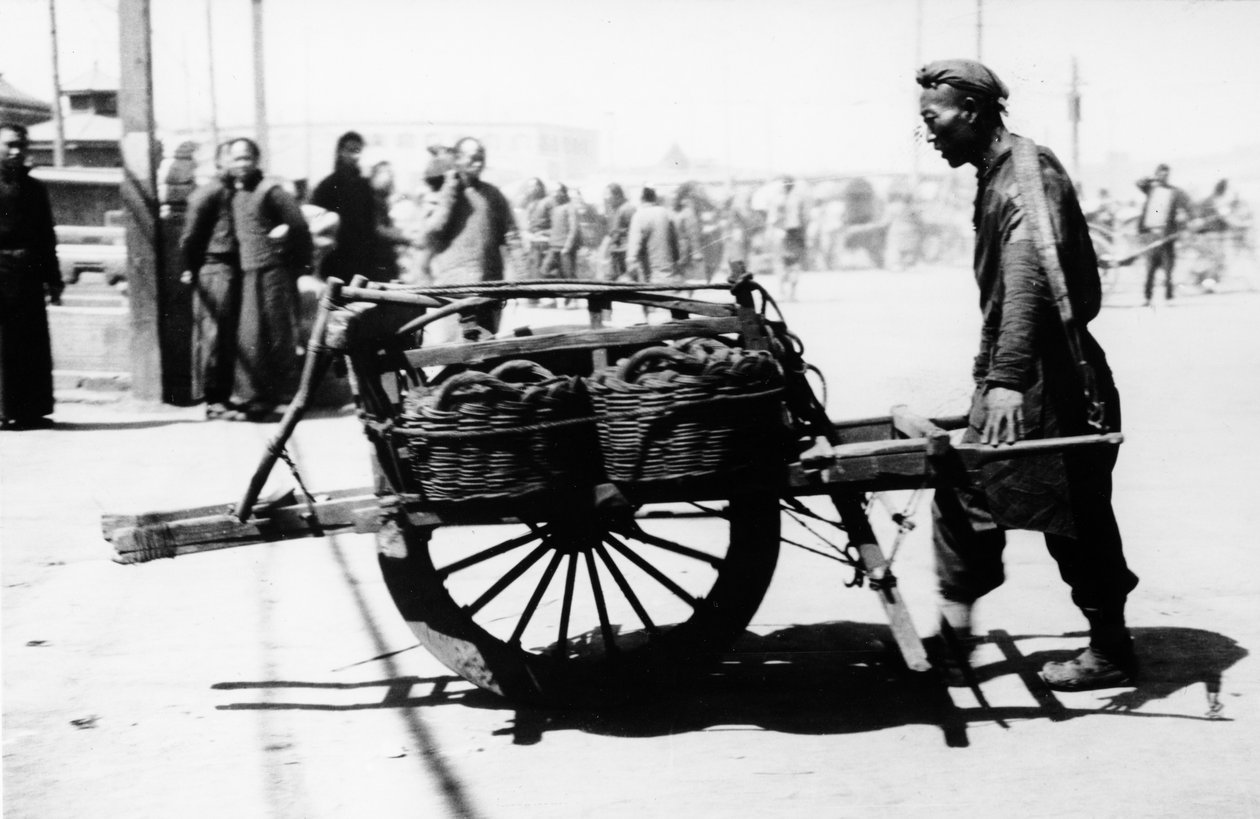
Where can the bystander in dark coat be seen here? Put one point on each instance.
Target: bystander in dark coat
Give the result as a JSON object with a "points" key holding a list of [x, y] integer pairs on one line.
{"points": [[28, 272]]}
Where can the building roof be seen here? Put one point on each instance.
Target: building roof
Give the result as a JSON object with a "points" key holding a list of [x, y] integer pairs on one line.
{"points": [[94, 80], [81, 127], [20, 107]]}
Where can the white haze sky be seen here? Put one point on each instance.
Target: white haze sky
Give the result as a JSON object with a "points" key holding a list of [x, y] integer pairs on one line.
{"points": [[800, 85]]}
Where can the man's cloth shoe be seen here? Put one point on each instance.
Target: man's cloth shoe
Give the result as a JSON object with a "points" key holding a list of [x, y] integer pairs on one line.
{"points": [[1089, 670], [951, 663]]}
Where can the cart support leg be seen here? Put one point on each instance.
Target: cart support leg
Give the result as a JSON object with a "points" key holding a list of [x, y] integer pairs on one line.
{"points": [[883, 581]]}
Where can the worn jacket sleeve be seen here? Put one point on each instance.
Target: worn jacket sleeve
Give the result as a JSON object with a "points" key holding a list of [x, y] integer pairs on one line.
{"points": [[198, 227], [634, 245], [438, 216], [299, 246], [45, 239], [1024, 301]]}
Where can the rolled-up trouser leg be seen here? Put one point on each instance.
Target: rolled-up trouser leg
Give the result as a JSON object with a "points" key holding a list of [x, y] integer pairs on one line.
{"points": [[968, 545]]}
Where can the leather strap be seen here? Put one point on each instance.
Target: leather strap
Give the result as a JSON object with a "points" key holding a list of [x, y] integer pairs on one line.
{"points": [[1028, 179]]}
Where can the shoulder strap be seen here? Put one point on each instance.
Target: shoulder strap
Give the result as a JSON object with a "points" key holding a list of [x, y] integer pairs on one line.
{"points": [[1028, 179]]}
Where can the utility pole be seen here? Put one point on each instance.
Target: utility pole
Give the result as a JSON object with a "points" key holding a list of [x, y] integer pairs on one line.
{"points": [[214, 101], [979, 31], [260, 85], [59, 126], [1074, 115]]}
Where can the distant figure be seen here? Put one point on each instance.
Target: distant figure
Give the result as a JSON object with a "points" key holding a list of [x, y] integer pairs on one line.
{"points": [[565, 237], [1165, 212], [28, 272], [211, 259], [792, 217], [469, 226], [275, 248], [618, 211], [348, 194], [1215, 220], [441, 162], [537, 236], [652, 247], [687, 224], [386, 238]]}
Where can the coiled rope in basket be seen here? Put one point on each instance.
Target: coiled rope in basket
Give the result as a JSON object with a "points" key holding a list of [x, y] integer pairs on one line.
{"points": [[499, 435], [699, 409]]}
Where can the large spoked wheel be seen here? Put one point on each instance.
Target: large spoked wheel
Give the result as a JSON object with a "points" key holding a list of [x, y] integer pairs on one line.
{"points": [[588, 607]]}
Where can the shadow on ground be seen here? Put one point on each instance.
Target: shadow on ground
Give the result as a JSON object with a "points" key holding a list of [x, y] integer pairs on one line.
{"points": [[64, 426], [828, 678]]}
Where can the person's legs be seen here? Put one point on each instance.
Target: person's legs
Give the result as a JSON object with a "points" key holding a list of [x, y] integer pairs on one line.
{"points": [[1170, 261], [968, 547], [616, 265], [214, 348], [1152, 265], [1094, 567]]}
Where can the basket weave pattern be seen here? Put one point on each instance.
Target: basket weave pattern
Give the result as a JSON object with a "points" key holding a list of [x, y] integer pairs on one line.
{"points": [[471, 437], [698, 409]]}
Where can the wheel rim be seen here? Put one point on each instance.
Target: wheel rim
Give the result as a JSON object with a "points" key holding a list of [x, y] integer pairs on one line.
{"points": [[578, 606]]}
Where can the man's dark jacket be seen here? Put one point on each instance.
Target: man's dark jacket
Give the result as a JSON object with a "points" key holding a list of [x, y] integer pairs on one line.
{"points": [[1023, 345]]}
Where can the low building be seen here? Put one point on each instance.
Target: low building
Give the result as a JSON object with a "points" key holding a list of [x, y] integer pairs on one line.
{"points": [[20, 108], [90, 125]]}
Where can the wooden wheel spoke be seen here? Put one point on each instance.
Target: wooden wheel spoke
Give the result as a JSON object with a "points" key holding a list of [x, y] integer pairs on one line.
{"points": [[494, 551], [638, 533], [508, 578], [535, 598], [566, 606], [624, 585], [660, 577], [601, 607]]}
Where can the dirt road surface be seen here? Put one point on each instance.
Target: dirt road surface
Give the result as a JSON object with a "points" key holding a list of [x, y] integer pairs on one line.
{"points": [[279, 681]]}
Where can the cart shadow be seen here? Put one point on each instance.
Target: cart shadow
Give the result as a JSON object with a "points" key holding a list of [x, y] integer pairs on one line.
{"points": [[828, 678], [843, 677], [68, 426]]}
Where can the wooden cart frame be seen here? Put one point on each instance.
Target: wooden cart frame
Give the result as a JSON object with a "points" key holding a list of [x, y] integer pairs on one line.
{"points": [[622, 589]]}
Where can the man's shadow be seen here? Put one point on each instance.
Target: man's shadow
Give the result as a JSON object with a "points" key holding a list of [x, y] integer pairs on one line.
{"points": [[846, 677]]}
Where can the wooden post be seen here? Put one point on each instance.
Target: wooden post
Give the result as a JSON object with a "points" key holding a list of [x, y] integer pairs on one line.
{"points": [[160, 312], [261, 131], [59, 127], [139, 195]]}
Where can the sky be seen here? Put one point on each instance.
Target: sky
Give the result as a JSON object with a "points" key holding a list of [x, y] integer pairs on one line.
{"points": [[796, 85]]}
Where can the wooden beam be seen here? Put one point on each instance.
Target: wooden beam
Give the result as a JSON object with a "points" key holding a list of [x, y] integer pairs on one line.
{"points": [[525, 346]]}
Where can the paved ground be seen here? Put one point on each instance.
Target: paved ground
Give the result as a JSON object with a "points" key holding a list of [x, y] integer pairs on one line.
{"points": [[278, 681]]}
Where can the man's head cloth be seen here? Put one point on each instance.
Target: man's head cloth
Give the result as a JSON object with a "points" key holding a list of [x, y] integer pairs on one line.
{"points": [[968, 76]]}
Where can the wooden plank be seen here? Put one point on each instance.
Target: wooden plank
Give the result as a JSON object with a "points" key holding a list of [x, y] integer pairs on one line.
{"points": [[976, 455], [140, 538], [916, 426], [881, 579], [693, 306], [525, 346]]}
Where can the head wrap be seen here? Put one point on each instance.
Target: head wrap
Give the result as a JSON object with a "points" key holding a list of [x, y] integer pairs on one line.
{"points": [[965, 75]]}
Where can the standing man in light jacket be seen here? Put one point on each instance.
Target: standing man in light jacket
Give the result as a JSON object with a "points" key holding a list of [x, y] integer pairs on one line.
{"points": [[652, 249]]}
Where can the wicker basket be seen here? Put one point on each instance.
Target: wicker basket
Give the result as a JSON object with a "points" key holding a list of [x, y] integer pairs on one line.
{"points": [[492, 436], [696, 410]]}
